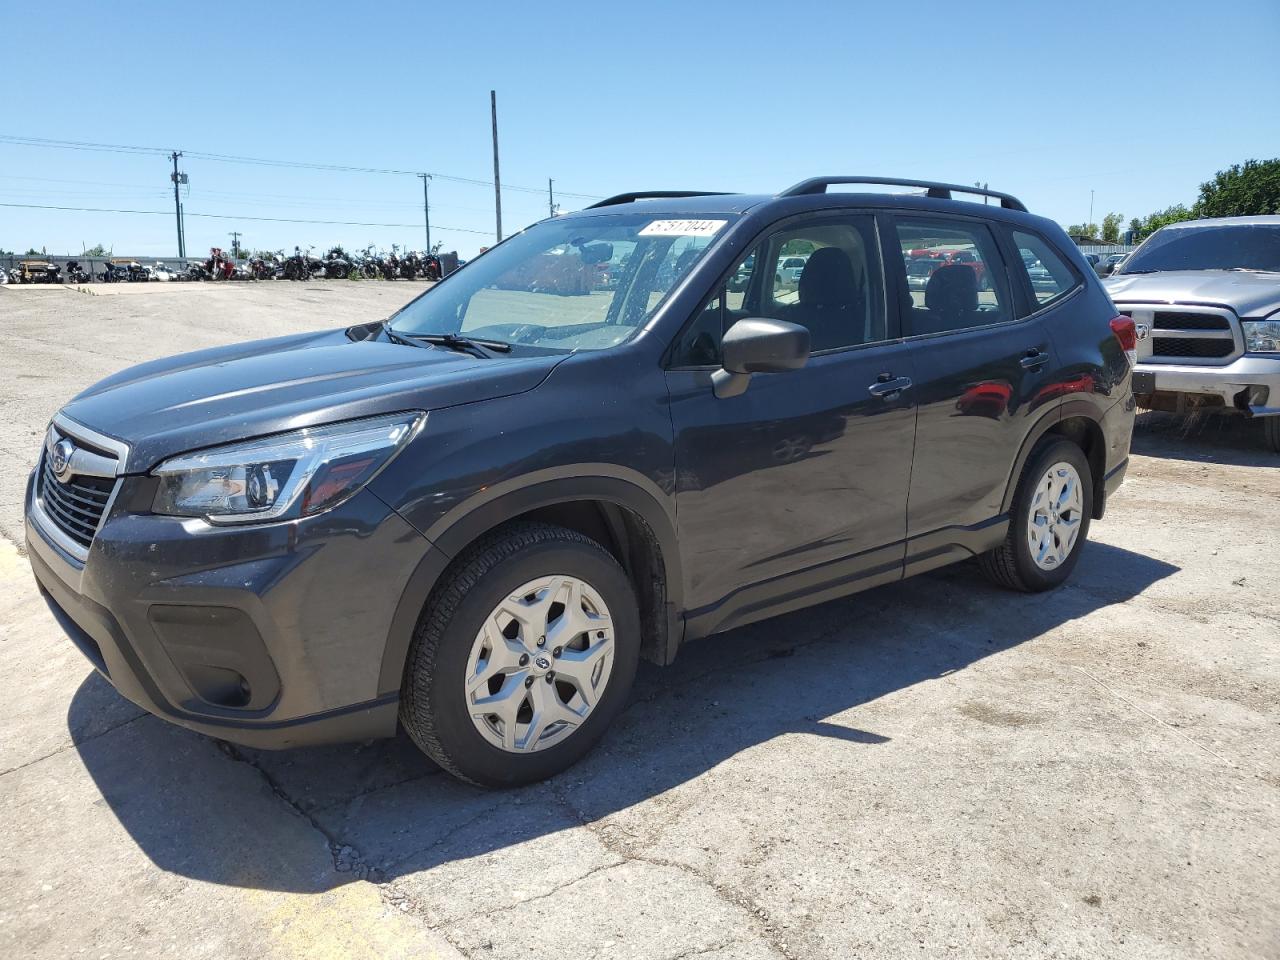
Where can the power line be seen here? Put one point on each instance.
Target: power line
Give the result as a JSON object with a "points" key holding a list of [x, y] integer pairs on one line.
{"points": [[261, 161], [231, 216]]}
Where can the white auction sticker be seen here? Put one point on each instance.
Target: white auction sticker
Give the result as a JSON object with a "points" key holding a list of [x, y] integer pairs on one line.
{"points": [[683, 228]]}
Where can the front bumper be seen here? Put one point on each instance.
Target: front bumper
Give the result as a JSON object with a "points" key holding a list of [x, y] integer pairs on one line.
{"points": [[1250, 384], [270, 636]]}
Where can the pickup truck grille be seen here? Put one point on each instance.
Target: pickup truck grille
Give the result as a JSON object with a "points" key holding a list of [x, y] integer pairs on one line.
{"points": [[1188, 335], [1165, 320], [1196, 348]]}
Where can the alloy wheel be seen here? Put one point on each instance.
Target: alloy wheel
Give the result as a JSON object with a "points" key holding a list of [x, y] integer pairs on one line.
{"points": [[539, 664], [1054, 516]]}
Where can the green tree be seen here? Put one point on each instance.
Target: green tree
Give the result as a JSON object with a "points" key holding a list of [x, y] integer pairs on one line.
{"points": [[1111, 227], [97, 250], [1162, 218], [797, 248], [1083, 230], [1242, 190]]}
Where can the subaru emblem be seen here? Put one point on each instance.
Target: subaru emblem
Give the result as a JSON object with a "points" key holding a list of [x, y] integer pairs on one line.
{"points": [[60, 457]]}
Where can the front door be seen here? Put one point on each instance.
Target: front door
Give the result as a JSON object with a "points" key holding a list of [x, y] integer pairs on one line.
{"points": [[796, 489]]}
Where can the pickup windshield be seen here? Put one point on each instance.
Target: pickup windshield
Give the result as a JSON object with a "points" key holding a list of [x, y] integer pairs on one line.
{"points": [[565, 285], [1229, 247]]}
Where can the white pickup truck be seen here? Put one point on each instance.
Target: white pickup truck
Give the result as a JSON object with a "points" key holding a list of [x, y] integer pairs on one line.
{"points": [[1205, 298]]}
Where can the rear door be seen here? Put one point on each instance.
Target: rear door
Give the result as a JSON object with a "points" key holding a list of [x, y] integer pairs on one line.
{"points": [[980, 375]]}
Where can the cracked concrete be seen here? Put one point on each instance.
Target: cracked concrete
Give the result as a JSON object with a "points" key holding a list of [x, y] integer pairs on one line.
{"points": [[934, 768]]}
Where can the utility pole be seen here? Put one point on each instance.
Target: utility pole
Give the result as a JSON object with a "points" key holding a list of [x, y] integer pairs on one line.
{"points": [[178, 178], [1089, 222], [551, 198], [426, 207], [235, 244], [497, 179]]}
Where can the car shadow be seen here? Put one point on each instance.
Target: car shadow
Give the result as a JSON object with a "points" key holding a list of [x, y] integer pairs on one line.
{"points": [[387, 811], [1202, 438]]}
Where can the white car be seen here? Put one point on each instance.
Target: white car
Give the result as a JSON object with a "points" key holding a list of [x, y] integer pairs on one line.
{"points": [[789, 270]]}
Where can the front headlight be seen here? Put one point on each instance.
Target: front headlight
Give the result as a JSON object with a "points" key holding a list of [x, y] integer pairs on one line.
{"points": [[285, 476], [1262, 336]]}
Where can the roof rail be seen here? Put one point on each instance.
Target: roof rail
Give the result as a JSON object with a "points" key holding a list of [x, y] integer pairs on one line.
{"points": [[939, 191], [655, 195]]}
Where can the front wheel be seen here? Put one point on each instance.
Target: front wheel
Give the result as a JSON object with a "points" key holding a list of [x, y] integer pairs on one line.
{"points": [[523, 657], [1048, 524]]}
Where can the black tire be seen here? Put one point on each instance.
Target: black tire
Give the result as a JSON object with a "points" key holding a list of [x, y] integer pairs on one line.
{"points": [[1011, 565], [1271, 433], [433, 705]]}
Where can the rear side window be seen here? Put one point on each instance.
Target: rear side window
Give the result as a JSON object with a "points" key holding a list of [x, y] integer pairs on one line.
{"points": [[955, 276], [1049, 274]]}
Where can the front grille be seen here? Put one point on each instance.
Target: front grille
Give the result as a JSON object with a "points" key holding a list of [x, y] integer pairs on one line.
{"points": [[1191, 334], [75, 507], [1195, 347], [1165, 320]]}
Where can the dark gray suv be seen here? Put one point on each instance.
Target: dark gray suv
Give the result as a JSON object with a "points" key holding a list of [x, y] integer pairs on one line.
{"points": [[613, 433]]}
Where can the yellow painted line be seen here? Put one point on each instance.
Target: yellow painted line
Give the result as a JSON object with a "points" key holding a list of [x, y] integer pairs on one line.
{"points": [[349, 922]]}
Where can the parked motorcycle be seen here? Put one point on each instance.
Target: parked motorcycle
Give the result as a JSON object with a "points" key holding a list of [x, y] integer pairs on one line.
{"points": [[76, 273], [410, 265], [336, 264]]}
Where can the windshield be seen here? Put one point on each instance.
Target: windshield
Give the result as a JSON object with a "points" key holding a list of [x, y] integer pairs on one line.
{"points": [[1235, 246], [564, 285]]}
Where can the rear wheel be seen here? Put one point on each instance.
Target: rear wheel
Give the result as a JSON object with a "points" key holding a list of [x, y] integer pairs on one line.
{"points": [[523, 658], [1049, 521], [1271, 433]]}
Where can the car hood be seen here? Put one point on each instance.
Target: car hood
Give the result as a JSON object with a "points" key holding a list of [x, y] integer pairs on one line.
{"points": [[247, 390], [1248, 294]]}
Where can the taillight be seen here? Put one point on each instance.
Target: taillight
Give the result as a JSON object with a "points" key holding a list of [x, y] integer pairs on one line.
{"points": [[1127, 333]]}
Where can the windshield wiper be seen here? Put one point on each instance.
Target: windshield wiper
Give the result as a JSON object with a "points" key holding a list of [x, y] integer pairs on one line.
{"points": [[474, 346], [395, 337]]}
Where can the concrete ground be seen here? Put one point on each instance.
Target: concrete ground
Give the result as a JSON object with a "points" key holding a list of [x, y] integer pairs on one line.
{"points": [[936, 768]]}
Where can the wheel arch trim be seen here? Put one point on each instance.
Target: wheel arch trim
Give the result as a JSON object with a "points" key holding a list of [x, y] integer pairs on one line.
{"points": [[1039, 430], [464, 524]]}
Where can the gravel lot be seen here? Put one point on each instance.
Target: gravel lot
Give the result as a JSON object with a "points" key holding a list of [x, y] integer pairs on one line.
{"points": [[931, 769]]}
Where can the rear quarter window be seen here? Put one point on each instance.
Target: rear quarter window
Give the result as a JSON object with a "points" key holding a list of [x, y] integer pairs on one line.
{"points": [[1051, 278]]}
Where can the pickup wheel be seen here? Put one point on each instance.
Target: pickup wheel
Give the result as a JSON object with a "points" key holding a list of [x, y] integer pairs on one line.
{"points": [[524, 655], [1049, 521], [1271, 433]]}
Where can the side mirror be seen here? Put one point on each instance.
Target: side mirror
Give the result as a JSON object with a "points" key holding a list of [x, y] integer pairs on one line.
{"points": [[758, 345]]}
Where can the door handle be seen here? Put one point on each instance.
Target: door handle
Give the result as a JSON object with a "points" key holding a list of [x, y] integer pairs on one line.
{"points": [[1033, 359], [889, 387]]}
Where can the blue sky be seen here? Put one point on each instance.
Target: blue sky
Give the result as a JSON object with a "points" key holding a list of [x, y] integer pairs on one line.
{"points": [[1137, 101]]}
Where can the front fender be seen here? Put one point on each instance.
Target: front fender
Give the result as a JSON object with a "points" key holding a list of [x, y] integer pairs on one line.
{"points": [[491, 507]]}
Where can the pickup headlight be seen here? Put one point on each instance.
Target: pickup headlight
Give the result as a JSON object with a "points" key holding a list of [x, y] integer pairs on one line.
{"points": [[285, 476], [1262, 336]]}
